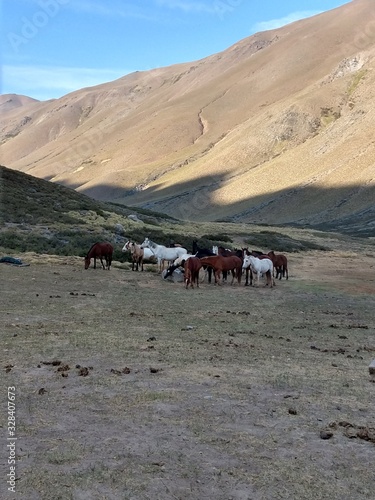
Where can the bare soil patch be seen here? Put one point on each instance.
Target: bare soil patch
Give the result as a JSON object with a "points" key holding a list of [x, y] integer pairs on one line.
{"points": [[128, 387]]}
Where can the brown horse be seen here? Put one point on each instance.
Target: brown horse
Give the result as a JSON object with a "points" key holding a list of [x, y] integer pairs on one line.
{"points": [[137, 254], [192, 266], [280, 264], [100, 251], [225, 252], [220, 264]]}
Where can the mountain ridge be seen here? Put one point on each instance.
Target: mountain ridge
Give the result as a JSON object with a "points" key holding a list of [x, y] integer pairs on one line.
{"points": [[276, 129]]}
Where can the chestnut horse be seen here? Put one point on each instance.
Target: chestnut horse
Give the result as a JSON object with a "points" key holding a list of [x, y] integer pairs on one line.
{"points": [[225, 252], [100, 251], [192, 266], [204, 252], [220, 264]]}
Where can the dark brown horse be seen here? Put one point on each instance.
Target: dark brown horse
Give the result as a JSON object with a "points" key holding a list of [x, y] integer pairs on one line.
{"points": [[280, 264], [221, 264], [100, 251]]}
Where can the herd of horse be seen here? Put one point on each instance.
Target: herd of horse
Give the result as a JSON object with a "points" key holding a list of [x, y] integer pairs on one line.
{"points": [[218, 261]]}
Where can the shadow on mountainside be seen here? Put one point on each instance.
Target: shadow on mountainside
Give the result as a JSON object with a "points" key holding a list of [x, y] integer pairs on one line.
{"points": [[349, 209]]}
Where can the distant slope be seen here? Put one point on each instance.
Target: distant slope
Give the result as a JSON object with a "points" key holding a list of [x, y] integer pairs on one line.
{"points": [[276, 129], [8, 102]]}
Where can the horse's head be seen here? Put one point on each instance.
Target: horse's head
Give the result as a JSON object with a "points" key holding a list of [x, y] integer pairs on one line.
{"points": [[146, 243], [246, 262], [169, 271], [125, 248], [87, 262]]}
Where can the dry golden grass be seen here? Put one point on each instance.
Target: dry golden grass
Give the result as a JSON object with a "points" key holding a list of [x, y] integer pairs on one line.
{"points": [[243, 381]]}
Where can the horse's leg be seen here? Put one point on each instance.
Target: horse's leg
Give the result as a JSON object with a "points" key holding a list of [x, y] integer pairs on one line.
{"points": [[94, 262], [239, 275], [233, 276], [246, 277], [217, 276], [102, 263], [249, 274], [270, 278], [204, 274]]}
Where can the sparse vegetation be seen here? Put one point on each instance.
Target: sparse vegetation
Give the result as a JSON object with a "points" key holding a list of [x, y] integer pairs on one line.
{"points": [[357, 78], [329, 115]]}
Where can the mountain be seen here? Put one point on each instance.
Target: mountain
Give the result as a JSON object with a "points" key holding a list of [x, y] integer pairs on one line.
{"points": [[277, 129]]}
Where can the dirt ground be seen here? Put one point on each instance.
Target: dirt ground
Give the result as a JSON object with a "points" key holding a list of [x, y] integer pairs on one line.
{"points": [[130, 387]]}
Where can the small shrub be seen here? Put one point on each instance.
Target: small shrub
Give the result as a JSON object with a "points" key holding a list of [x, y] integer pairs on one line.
{"points": [[222, 237]]}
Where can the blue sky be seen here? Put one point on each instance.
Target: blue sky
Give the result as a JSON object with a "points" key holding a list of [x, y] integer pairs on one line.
{"points": [[53, 47]]}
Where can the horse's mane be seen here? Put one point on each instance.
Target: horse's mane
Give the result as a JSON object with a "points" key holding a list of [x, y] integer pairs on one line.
{"points": [[92, 246]]}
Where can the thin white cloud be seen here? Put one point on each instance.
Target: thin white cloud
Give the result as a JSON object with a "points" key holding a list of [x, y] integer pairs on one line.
{"points": [[189, 6], [282, 21], [48, 82], [110, 9]]}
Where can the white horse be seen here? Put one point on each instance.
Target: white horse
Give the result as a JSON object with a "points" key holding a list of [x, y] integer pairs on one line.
{"points": [[163, 253], [259, 266], [181, 258]]}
